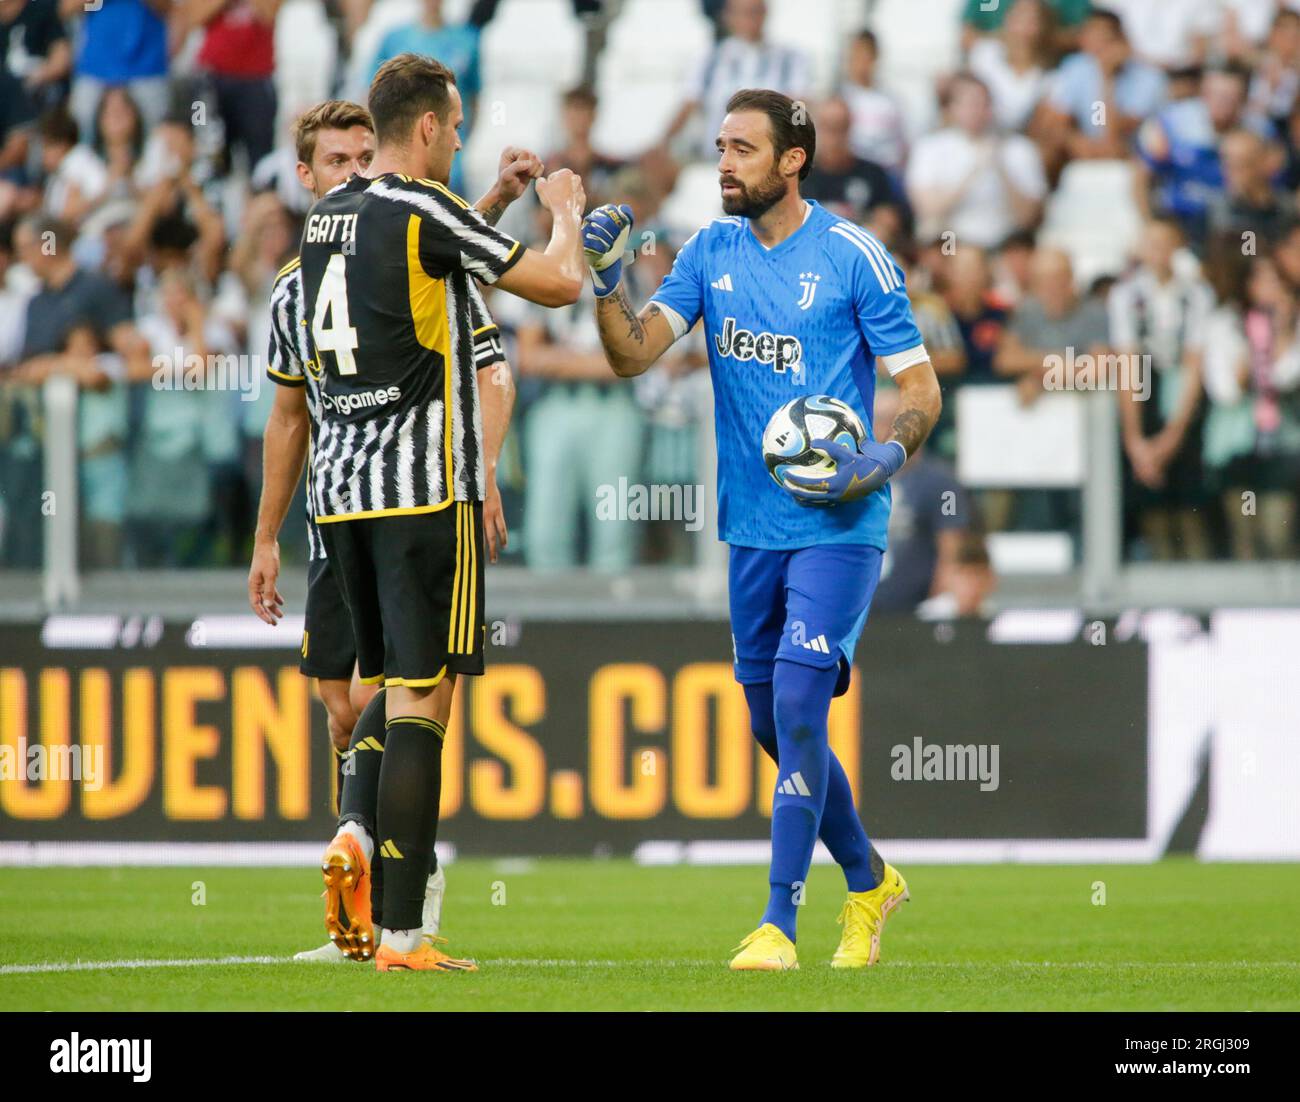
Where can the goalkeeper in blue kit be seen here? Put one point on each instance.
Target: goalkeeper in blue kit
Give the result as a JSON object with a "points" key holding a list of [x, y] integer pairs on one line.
{"points": [[794, 300]]}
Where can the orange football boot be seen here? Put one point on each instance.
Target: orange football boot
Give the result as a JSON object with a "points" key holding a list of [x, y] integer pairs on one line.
{"points": [[346, 873], [427, 957]]}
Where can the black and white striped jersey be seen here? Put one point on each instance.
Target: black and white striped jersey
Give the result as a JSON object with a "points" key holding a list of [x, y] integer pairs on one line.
{"points": [[291, 361], [388, 281]]}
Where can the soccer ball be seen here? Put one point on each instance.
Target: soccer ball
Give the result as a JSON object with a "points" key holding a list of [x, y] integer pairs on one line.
{"points": [[819, 417]]}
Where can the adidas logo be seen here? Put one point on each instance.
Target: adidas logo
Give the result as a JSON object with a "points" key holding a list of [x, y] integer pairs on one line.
{"points": [[818, 644], [794, 785], [723, 284]]}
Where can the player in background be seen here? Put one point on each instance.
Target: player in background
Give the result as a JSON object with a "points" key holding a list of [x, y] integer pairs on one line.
{"points": [[389, 271], [794, 300], [335, 140]]}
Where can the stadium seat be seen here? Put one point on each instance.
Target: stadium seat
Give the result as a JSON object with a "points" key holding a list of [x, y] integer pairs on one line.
{"points": [[522, 84], [1092, 215], [510, 113], [819, 28], [693, 202], [651, 49], [1030, 552], [919, 41], [306, 50], [1003, 444], [533, 40], [383, 17]]}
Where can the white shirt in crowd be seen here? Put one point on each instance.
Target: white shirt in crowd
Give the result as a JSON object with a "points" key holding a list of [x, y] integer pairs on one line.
{"points": [[14, 293], [1255, 17], [1176, 312], [1015, 95], [983, 214], [1225, 350], [877, 131], [1164, 32], [80, 166], [736, 63]]}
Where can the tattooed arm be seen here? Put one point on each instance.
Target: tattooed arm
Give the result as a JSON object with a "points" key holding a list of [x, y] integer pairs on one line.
{"points": [[518, 167], [632, 341], [920, 402]]}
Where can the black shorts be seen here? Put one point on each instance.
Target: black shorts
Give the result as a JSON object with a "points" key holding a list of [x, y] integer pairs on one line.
{"points": [[328, 649], [414, 588]]}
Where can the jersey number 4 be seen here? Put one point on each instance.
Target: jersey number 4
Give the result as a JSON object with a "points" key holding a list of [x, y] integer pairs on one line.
{"points": [[332, 299]]}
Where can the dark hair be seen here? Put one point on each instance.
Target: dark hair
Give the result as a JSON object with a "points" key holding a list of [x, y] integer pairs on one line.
{"points": [[172, 233], [137, 140], [1018, 239], [790, 120], [41, 223], [57, 125], [1233, 69], [868, 36], [85, 321], [333, 114], [581, 94], [406, 87], [1113, 21], [1227, 269]]}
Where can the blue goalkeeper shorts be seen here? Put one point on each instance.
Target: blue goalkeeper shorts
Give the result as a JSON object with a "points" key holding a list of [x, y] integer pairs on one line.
{"points": [[807, 606]]}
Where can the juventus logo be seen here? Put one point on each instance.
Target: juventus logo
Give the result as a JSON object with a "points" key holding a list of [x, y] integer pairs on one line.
{"points": [[808, 281]]}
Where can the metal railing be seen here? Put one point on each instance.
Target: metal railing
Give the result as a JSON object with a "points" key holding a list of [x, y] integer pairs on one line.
{"points": [[1103, 582]]}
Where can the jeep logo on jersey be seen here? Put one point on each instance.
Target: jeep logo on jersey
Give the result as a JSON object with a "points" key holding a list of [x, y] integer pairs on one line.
{"points": [[778, 349]]}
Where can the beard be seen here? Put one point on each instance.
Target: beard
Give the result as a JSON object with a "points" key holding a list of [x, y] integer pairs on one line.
{"points": [[756, 201]]}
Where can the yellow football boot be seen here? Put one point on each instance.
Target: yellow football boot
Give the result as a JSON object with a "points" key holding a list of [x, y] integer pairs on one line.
{"points": [[426, 957], [863, 918], [767, 949], [346, 873]]}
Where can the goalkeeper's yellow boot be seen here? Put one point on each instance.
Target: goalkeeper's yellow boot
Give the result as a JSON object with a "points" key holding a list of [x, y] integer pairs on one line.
{"points": [[767, 949], [346, 873], [426, 957], [863, 918]]}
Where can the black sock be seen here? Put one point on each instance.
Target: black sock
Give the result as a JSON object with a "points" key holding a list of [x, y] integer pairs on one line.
{"points": [[340, 758], [410, 786], [359, 790], [359, 793]]}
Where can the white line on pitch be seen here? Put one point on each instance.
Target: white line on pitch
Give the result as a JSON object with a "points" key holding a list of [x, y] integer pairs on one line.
{"points": [[106, 965], [526, 962]]}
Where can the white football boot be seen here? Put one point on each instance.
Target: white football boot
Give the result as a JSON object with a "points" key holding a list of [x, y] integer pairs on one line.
{"points": [[434, 890]]}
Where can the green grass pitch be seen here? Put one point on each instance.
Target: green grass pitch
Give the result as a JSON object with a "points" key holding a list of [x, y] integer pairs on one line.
{"points": [[608, 935]]}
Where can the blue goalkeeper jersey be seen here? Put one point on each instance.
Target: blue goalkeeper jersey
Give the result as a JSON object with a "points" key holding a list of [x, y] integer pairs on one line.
{"points": [[806, 317]]}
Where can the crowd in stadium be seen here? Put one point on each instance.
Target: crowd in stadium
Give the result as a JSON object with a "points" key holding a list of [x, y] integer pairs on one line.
{"points": [[1089, 176]]}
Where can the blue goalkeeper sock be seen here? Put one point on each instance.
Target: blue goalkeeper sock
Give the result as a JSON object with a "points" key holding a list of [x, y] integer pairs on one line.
{"points": [[801, 698], [841, 830]]}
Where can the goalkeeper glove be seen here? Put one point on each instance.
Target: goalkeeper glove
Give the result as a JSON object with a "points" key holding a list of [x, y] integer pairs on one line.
{"points": [[857, 473], [604, 238]]}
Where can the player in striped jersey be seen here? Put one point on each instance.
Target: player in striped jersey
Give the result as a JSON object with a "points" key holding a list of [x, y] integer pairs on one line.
{"points": [[334, 140], [399, 477]]}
